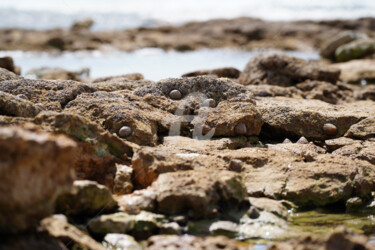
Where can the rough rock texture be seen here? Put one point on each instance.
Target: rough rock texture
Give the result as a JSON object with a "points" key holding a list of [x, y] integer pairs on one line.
{"points": [[363, 150], [229, 97], [86, 198], [131, 77], [283, 70], [6, 75], [115, 110], [340, 238], [191, 242], [303, 179], [98, 151], [14, 106], [119, 83], [325, 91], [200, 191], [51, 95], [69, 235], [228, 72], [286, 117], [357, 70], [363, 129], [273, 90], [366, 93], [35, 167]]}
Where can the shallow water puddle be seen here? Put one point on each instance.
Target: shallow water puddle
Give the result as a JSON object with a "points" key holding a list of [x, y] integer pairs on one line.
{"points": [[154, 64]]}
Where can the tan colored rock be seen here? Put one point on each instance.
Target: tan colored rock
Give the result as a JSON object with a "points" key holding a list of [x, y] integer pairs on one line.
{"points": [[122, 184], [52, 95], [14, 106], [287, 117], [85, 199], [131, 77], [134, 203], [173, 242], [116, 84], [201, 192], [148, 163], [338, 143], [363, 150], [340, 238], [325, 91], [98, 151], [114, 110], [35, 167], [227, 72], [69, 235], [6, 75], [365, 93], [357, 70], [363, 129], [273, 90], [283, 70], [269, 205]]}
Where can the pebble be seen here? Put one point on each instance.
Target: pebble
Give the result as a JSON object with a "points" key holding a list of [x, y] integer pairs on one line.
{"points": [[125, 131], [240, 129], [302, 140], [209, 103], [253, 213], [329, 129], [175, 94]]}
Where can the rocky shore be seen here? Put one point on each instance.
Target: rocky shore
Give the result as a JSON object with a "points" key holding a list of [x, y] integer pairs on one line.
{"points": [[244, 33], [277, 154]]}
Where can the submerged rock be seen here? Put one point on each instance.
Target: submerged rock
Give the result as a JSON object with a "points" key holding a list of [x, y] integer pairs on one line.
{"points": [[35, 168]]}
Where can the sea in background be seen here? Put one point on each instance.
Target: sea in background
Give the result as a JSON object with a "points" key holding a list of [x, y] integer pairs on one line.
{"points": [[119, 14], [156, 64]]}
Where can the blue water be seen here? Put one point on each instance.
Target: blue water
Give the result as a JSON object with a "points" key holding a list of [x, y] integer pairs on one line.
{"points": [[155, 64], [117, 14]]}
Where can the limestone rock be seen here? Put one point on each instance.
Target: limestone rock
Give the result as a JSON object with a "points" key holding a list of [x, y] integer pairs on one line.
{"points": [[282, 70], [228, 72], [14, 106], [98, 151], [363, 129], [174, 242], [86, 198], [356, 71], [52, 95], [286, 117], [200, 191], [35, 167], [71, 236], [122, 184], [121, 241], [6, 75], [340, 238]]}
